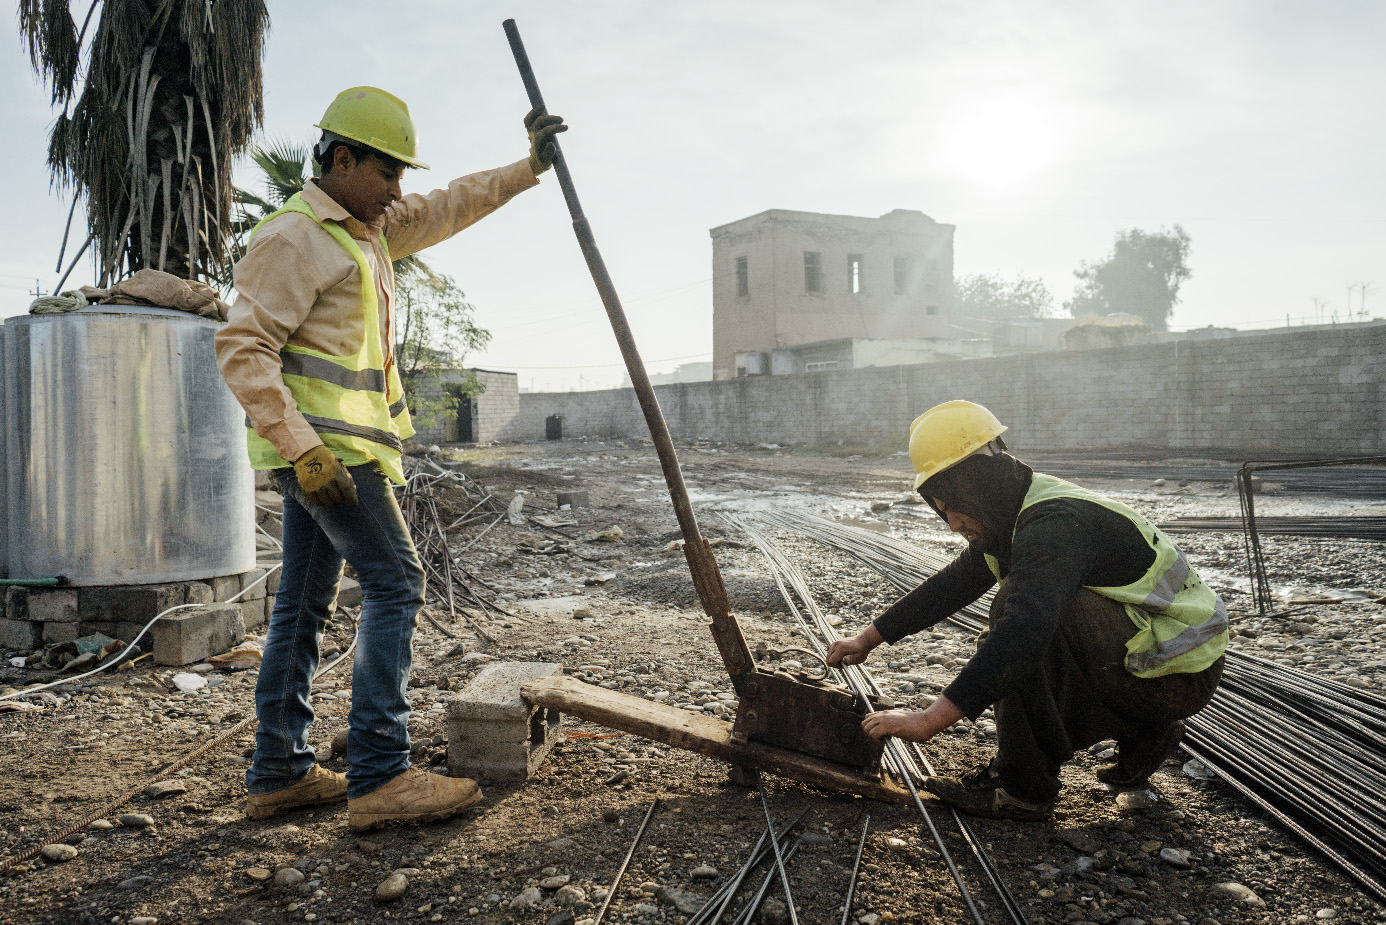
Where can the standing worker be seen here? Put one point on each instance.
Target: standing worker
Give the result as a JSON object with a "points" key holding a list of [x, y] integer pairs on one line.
{"points": [[1100, 628], [309, 353]]}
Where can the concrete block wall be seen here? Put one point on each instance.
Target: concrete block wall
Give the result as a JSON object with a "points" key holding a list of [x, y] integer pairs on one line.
{"points": [[1318, 392]]}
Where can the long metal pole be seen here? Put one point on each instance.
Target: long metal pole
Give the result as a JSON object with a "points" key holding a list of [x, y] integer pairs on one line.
{"points": [[707, 578]]}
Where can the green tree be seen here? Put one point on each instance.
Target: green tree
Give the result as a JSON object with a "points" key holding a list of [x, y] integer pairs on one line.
{"points": [[155, 105], [1141, 277], [992, 297]]}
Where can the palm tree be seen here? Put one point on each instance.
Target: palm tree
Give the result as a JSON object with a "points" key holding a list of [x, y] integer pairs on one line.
{"points": [[170, 93]]}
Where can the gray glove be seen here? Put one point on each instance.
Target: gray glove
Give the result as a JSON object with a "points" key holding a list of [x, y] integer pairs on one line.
{"points": [[543, 147]]}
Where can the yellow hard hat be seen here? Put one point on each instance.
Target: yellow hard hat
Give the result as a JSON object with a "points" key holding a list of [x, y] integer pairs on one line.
{"points": [[376, 119], [947, 434]]}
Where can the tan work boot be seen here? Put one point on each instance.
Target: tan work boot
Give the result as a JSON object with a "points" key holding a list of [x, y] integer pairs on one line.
{"points": [[315, 788], [414, 796]]}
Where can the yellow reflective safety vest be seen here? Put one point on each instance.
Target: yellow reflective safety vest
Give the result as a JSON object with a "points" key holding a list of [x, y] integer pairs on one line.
{"points": [[1181, 624], [355, 407]]}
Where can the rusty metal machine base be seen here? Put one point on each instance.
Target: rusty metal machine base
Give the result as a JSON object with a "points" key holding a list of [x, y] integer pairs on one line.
{"points": [[705, 735]]}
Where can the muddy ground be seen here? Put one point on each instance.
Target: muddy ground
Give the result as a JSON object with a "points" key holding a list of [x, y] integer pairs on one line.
{"points": [[623, 614]]}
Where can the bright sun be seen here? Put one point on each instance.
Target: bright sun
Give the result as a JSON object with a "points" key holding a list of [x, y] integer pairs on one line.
{"points": [[1001, 141]]}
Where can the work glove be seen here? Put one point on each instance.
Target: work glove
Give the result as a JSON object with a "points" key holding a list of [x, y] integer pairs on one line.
{"points": [[323, 478], [543, 148]]}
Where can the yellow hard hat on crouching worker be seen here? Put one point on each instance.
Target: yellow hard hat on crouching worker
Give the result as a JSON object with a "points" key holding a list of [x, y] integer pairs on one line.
{"points": [[947, 434], [376, 119]]}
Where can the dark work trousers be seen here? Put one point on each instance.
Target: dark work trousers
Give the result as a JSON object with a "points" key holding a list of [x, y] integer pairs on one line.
{"points": [[1079, 692]]}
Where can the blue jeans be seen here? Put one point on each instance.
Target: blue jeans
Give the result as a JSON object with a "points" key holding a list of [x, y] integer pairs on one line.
{"points": [[373, 537]]}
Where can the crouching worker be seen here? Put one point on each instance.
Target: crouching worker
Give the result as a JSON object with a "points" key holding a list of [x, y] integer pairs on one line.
{"points": [[1099, 629], [309, 353]]}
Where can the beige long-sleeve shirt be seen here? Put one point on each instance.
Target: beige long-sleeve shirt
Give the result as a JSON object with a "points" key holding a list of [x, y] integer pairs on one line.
{"points": [[297, 285]]}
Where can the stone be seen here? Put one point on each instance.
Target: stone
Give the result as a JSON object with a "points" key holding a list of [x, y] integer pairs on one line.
{"points": [[102, 824], [59, 853], [812, 839], [1240, 892], [258, 873], [165, 788], [143, 920], [21, 635], [190, 636], [1081, 842], [553, 883], [560, 844], [704, 872], [137, 882], [561, 917], [292, 876], [135, 820], [573, 894], [188, 682], [493, 734], [391, 888], [1177, 857], [1136, 800], [526, 898], [774, 912], [682, 900]]}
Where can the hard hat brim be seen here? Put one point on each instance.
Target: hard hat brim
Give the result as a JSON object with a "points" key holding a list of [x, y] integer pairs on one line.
{"points": [[411, 161]]}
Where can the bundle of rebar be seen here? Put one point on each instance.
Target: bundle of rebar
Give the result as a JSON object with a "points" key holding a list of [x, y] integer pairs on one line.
{"points": [[909, 764], [1347, 528], [448, 580], [1308, 750], [1359, 480]]}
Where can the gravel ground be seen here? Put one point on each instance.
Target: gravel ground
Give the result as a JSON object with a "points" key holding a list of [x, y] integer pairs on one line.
{"points": [[622, 614]]}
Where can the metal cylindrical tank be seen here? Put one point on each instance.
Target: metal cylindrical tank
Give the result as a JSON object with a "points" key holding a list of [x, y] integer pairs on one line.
{"points": [[126, 455], [4, 480]]}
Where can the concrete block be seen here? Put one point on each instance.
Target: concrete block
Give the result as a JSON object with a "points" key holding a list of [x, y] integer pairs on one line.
{"points": [[349, 593], [40, 605], [493, 734], [130, 603], [574, 499], [225, 587], [21, 635], [190, 636], [255, 591], [60, 632], [199, 592], [272, 582], [252, 613]]}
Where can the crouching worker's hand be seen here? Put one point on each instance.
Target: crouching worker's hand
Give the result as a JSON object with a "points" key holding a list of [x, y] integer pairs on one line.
{"points": [[854, 651], [323, 478], [543, 148]]}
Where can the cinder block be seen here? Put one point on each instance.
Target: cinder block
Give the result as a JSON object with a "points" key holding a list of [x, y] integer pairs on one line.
{"points": [[21, 635], [199, 592], [225, 587], [349, 593], [574, 499], [250, 591], [59, 632], [252, 613], [40, 605], [272, 582], [132, 603], [190, 636], [493, 734]]}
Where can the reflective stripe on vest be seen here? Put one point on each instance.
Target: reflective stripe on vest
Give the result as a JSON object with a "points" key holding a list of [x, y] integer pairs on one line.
{"points": [[1181, 622], [354, 402]]}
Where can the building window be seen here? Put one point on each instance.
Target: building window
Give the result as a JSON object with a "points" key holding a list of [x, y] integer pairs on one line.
{"points": [[813, 274], [854, 282], [743, 277], [902, 273], [820, 366], [931, 309]]}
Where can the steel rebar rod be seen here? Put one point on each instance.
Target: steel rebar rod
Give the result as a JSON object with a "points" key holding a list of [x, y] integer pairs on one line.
{"points": [[606, 903], [856, 867], [779, 855]]}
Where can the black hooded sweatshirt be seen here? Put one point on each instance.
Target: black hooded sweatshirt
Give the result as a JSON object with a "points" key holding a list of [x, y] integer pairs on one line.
{"points": [[1046, 555]]}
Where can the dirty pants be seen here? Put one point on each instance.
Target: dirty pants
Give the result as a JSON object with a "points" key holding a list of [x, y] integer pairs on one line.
{"points": [[1079, 692]]}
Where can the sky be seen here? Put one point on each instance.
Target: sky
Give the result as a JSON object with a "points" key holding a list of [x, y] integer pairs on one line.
{"points": [[1040, 129]]}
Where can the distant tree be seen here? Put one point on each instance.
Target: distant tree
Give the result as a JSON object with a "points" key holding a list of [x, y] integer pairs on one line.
{"points": [[1141, 277], [156, 102], [435, 328], [992, 297]]}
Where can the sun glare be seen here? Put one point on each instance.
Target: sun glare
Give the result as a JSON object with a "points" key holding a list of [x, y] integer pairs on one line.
{"points": [[1000, 142]]}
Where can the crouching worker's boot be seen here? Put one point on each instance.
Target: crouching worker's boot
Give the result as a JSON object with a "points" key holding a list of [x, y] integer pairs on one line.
{"points": [[983, 793], [1140, 755], [414, 796], [315, 788]]}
